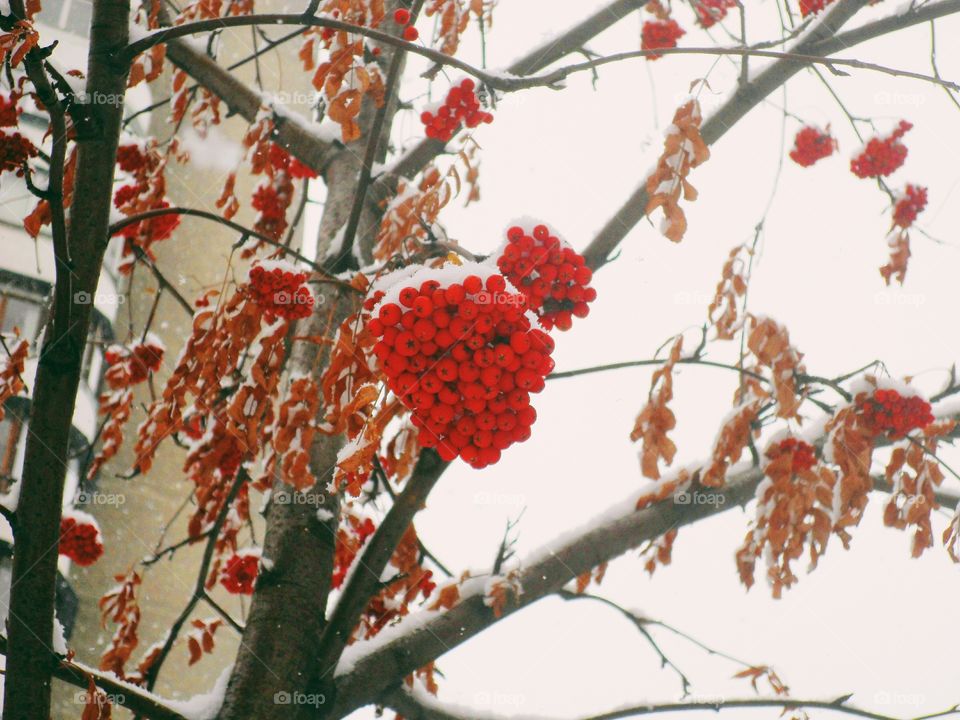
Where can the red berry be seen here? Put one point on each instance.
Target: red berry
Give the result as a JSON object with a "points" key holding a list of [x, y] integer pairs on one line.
{"points": [[401, 16]]}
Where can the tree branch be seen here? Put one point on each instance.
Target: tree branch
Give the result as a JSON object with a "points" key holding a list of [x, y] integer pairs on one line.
{"points": [[821, 40], [365, 673], [136, 700], [199, 591], [309, 148], [366, 577], [414, 708]]}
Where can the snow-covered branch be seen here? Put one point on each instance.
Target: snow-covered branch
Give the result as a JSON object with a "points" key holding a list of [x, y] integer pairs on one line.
{"points": [[418, 707], [370, 668], [822, 40]]}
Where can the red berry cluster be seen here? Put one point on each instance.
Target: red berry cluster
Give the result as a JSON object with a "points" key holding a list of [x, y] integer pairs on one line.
{"points": [[909, 205], [401, 16], [465, 359], [812, 144], [804, 454], [9, 112], [460, 106], [658, 34], [153, 229], [80, 538], [280, 292], [710, 12], [888, 412], [240, 573], [348, 546], [130, 158], [812, 7], [132, 365], [271, 200], [553, 276], [15, 150], [283, 161], [882, 156]]}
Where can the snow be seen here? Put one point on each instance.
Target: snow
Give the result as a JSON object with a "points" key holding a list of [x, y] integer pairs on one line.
{"points": [[527, 223], [415, 275], [59, 637], [283, 265], [411, 624], [82, 518], [324, 515], [214, 151], [207, 705]]}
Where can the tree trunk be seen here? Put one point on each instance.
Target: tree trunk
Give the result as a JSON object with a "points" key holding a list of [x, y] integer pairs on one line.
{"points": [[30, 622]]}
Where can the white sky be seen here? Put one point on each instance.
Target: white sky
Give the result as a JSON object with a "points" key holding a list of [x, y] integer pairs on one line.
{"points": [[869, 621]]}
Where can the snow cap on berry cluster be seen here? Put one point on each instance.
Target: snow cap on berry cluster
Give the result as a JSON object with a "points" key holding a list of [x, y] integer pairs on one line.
{"points": [[528, 224], [82, 518], [282, 265], [393, 283]]}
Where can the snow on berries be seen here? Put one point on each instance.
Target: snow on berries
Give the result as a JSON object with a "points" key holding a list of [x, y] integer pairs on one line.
{"points": [[812, 144], [812, 7], [279, 289], [909, 204], [133, 364], [660, 34], [282, 161], [710, 12], [9, 112], [239, 573], [458, 348], [80, 538], [887, 412], [460, 106], [553, 276], [881, 156]]}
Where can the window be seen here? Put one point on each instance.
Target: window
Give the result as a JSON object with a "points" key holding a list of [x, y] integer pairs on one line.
{"points": [[17, 311], [73, 16]]}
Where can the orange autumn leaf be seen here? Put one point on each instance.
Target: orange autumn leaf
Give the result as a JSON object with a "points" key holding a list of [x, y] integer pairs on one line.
{"points": [[657, 419], [683, 150], [896, 267], [734, 437]]}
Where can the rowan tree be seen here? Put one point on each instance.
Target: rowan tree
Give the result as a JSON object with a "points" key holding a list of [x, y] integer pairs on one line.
{"points": [[424, 352]]}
